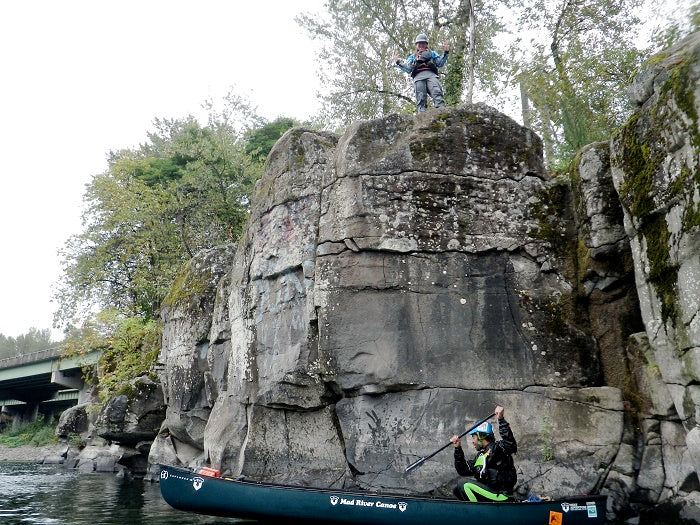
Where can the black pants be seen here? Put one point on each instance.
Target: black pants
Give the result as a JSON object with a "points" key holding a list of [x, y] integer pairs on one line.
{"points": [[475, 491]]}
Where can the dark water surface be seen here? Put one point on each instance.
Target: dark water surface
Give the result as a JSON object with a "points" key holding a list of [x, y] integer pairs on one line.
{"points": [[53, 495]]}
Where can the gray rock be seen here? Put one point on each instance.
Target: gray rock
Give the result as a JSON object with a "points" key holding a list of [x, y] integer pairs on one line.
{"points": [[655, 164], [73, 421], [601, 216], [128, 419], [187, 349], [370, 271]]}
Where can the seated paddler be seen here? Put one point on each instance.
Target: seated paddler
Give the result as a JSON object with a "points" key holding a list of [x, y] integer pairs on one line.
{"points": [[492, 467]]}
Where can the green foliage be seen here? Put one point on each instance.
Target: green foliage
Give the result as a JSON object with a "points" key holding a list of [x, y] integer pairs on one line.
{"points": [[453, 80], [129, 346], [156, 171], [547, 439], [37, 434], [157, 205], [575, 75], [187, 189], [572, 60], [686, 21], [261, 140], [129, 249], [76, 440]]}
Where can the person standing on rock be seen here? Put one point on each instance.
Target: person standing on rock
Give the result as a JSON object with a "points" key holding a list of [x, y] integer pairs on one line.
{"points": [[423, 66], [492, 468]]}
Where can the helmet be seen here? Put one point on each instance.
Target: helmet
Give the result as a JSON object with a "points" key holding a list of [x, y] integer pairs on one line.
{"points": [[484, 428], [421, 38]]}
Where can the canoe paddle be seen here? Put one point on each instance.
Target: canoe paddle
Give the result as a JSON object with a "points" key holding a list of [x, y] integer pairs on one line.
{"points": [[426, 458]]}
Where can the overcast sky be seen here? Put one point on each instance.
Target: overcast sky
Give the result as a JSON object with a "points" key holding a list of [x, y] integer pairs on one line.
{"points": [[81, 78]]}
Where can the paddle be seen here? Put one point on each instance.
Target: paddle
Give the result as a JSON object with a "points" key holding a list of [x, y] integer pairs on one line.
{"points": [[426, 458]]}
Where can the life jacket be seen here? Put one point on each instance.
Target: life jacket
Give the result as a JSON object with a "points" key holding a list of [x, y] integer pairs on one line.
{"points": [[496, 470], [424, 62]]}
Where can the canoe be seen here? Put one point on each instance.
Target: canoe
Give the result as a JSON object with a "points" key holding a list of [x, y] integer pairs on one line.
{"points": [[206, 493]]}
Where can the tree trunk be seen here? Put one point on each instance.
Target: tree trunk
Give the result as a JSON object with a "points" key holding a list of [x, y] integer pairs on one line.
{"points": [[471, 53], [525, 106], [457, 64], [573, 110]]}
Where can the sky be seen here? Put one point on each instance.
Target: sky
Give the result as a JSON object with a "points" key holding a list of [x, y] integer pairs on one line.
{"points": [[81, 78]]}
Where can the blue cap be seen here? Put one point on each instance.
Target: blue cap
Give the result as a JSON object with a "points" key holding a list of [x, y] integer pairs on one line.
{"points": [[484, 428]]}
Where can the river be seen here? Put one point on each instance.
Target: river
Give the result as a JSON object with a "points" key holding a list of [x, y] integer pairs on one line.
{"points": [[53, 495]]}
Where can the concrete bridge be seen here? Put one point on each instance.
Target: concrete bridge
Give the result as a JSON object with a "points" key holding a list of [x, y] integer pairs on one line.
{"points": [[41, 382]]}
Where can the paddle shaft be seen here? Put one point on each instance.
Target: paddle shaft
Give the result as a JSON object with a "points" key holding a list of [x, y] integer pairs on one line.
{"points": [[426, 458]]}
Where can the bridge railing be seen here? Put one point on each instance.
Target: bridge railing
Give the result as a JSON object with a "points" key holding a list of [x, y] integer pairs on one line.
{"points": [[33, 357]]}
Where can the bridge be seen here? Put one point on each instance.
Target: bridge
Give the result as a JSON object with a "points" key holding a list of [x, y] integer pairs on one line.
{"points": [[41, 382]]}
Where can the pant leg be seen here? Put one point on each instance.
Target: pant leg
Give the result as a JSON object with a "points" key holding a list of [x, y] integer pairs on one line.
{"points": [[421, 95], [435, 90], [475, 491]]}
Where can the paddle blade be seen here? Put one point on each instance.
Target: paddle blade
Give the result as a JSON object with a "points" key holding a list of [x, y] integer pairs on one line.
{"points": [[415, 465]]}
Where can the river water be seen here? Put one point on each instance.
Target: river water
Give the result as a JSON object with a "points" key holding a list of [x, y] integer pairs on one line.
{"points": [[53, 495]]}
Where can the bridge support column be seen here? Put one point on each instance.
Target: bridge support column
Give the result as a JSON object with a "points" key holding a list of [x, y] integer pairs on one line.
{"points": [[32, 412], [5, 417], [21, 414], [70, 381]]}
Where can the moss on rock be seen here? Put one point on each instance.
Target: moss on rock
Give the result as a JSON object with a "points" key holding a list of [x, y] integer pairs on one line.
{"points": [[188, 284]]}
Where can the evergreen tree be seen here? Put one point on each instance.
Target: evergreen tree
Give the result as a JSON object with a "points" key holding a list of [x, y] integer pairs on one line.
{"points": [[34, 340]]}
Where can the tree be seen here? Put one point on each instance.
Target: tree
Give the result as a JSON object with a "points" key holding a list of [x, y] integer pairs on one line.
{"points": [[154, 208], [7, 346], [361, 36], [34, 340], [460, 71], [678, 21], [129, 248], [576, 75], [261, 140]]}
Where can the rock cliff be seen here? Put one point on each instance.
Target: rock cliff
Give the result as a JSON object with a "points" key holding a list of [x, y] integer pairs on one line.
{"points": [[655, 163], [397, 282], [392, 282]]}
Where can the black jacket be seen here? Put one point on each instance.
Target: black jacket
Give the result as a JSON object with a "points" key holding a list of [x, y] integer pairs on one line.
{"points": [[424, 62], [499, 475]]}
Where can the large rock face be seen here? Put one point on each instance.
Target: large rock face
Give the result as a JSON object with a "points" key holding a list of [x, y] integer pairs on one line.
{"points": [[656, 170], [418, 270], [393, 282]]}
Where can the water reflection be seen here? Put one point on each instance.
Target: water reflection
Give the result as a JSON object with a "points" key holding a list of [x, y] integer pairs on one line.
{"points": [[54, 495]]}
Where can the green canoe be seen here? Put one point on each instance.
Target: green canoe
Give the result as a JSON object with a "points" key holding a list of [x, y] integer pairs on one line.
{"points": [[187, 490]]}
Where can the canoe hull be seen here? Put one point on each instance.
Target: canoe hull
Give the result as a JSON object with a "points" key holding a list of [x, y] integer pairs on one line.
{"points": [[189, 491]]}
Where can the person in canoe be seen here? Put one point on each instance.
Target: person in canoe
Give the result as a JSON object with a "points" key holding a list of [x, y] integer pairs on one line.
{"points": [[492, 467]]}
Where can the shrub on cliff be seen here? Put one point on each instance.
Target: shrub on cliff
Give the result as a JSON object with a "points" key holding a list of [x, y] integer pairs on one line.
{"points": [[129, 347]]}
